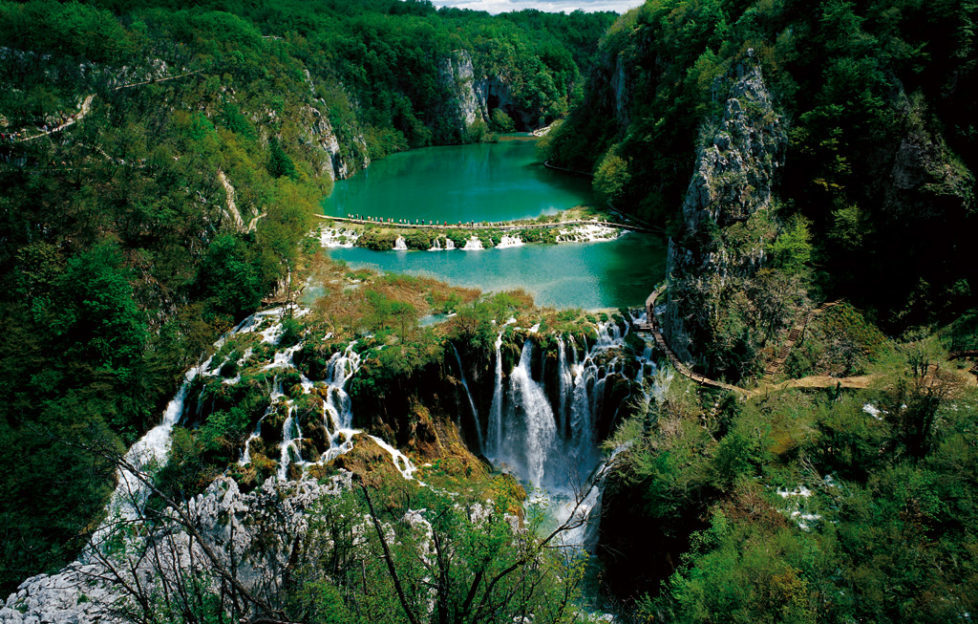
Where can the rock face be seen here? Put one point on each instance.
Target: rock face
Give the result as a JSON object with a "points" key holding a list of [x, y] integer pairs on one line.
{"points": [[252, 534], [336, 162], [736, 167], [472, 96], [468, 94], [727, 219]]}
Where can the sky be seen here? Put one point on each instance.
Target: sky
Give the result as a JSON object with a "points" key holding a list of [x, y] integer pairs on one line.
{"points": [[500, 6]]}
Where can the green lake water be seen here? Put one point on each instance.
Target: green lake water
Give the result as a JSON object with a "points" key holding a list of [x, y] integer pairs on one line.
{"points": [[497, 182]]}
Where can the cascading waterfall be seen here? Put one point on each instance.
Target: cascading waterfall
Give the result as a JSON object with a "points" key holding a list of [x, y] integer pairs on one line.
{"points": [[151, 451], [530, 420], [495, 425], [468, 394], [553, 446]]}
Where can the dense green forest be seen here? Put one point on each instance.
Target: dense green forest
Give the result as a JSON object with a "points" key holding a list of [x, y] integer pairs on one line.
{"points": [[839, 140], [200, 143], [801, 506], [161, 167], [882, 144]]}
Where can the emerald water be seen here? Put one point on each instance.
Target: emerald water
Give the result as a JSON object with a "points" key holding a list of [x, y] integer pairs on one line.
{"points": [[459, 183], [497, 182]]}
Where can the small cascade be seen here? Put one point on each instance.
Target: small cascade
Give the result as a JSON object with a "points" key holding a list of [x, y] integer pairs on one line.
{"points": [[337, 414], [400, 244], [495, 425], [468, 394], [509, 241], [449, 244], [289, 452], [435, 246], [473, 244]]}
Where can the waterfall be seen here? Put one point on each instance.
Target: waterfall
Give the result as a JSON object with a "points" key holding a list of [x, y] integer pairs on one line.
{"points": [[553, 445], [473, 244], [400, 244], [564, 379], [468, 394], [495, 425], [509, 241], [151, 451], [530, 420], [290, 435]]}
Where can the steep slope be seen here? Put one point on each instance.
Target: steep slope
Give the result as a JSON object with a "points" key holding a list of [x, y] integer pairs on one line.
{"points": [[160, 167], [881, 151], [734, 273]]}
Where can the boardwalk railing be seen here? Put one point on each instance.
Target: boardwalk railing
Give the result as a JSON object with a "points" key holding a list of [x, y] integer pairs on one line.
{"points": [[505, 226], [651, 326]]}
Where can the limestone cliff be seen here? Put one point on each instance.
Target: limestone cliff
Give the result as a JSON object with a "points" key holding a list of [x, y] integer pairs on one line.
{"points": [[719, 299], [336, 161], [467, 93], [253, 534]]}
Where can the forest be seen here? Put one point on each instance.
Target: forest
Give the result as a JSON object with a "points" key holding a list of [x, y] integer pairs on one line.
{"points": [[162, 166], [881, 148], [122, 258]]}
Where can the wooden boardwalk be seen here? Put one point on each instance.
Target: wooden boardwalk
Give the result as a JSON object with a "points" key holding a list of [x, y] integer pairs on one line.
{"points": [[652, 327], [504, 226]]}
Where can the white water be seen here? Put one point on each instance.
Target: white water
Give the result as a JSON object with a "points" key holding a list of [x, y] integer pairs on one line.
{"points": [[400, 244], [494, 433], [338, 237], [150, 453], [468, 394], [528, 431], [552, 445], [449, 244], [505, 242], [473, 244]]}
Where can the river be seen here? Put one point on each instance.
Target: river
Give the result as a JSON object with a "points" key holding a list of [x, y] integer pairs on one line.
{"points": [[497, 182]]}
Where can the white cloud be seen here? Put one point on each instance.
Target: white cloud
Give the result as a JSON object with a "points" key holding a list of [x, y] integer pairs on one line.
{"points": [[552, 6]]}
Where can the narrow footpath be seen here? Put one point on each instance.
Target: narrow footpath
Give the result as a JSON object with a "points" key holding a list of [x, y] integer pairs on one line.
{"points": [[504, 226], [857, 382], [86, 106]]}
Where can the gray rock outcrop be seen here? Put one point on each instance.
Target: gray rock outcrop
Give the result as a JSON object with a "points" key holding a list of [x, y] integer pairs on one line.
{"points": [[253, 535], [468, 101], [335, 162], [727, 220]]}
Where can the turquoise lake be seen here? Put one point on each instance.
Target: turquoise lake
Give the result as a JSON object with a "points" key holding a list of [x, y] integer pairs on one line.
{"points": [[497, 182]]}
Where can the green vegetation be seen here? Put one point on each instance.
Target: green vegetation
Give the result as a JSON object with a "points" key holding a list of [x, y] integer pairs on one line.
{"points": [[882, 143], [799, 506], [484, 568], [178, 198]]}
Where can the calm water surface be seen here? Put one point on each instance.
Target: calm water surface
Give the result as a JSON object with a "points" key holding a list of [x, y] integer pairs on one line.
{"points": [[496, 182]]}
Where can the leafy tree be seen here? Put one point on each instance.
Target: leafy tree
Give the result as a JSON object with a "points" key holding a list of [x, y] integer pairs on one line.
{"points": [[228, 279]]}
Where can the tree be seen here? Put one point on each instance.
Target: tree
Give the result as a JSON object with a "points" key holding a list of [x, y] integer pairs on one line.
{"points": [[228, 278]]}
